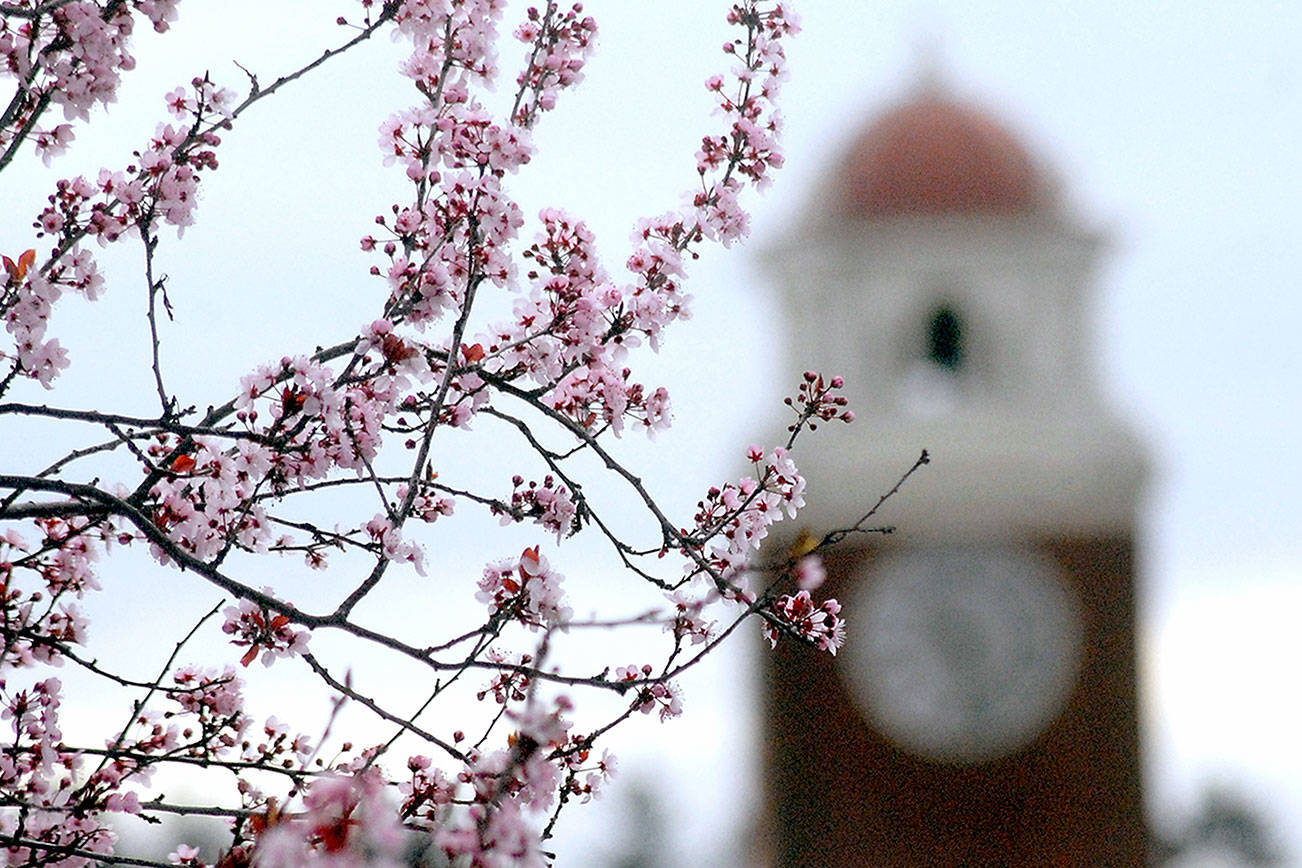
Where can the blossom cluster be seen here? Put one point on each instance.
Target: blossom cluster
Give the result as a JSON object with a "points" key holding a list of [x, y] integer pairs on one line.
{"points": [[819, 400], [209, 492], [818, 625], [40, 583], [560, 44], [526, 590], [650, 694], [736, 517], [345, 821], [542, 759], [571, 334], [27, 299], [511, 682], [159, 187], [259, 630], [300, 425], [68, 54], [68, 797], [550, 505], [32, 772]]}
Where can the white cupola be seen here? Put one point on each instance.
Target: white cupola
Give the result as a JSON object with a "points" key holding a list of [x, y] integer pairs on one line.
{"points": [[937, 272]]}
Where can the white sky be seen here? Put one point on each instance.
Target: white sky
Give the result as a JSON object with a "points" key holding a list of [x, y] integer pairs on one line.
{"points": [[1172, 126]]}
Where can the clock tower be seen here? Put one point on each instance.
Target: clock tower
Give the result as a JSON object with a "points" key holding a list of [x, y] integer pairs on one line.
{"points": [[983, 710]]}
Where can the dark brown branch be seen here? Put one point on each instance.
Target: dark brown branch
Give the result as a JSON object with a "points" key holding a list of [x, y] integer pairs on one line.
{"points": [[154, 425], [67, 850], [836, 536], [167, 405], [437, 403], [376, 708]]}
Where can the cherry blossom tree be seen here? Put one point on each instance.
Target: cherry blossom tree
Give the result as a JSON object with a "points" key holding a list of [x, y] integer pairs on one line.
{"points": [[487, 322]]}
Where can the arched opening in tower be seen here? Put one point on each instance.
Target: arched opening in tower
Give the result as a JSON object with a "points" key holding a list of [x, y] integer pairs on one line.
{"points": [[945, 344]]}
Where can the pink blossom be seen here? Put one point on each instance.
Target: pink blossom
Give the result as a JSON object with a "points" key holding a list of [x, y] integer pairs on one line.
{"points": [[527, 590], [345, 822], [393, 547], [810, 574], [561, 43], [687, 621], [260, 630], [54, 142], [184, 854], [797, 615], [549, 504], [179, 102]]}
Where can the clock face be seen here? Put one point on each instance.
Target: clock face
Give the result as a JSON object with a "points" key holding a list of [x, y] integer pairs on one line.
{"points": [[961, 654]]}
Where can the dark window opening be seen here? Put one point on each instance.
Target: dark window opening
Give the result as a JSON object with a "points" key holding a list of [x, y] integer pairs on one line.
{"points": [[945, 340]]}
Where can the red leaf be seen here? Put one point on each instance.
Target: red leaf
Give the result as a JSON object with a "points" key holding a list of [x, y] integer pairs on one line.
{"points": [[292, 400], [279, 621], [18, 270], [472, 353], [249, 655], [182, 464], [394, 349], [261, 822], [334, 834]]}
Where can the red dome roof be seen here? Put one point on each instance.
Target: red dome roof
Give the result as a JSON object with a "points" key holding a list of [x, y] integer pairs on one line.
{"points": [[933, 156]]}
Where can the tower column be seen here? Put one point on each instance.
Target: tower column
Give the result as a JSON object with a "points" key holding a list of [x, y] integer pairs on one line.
{"points": [[984, 708]]}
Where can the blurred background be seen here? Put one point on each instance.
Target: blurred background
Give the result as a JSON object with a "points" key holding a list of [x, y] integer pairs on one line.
{"points": [[1173, 129]]}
